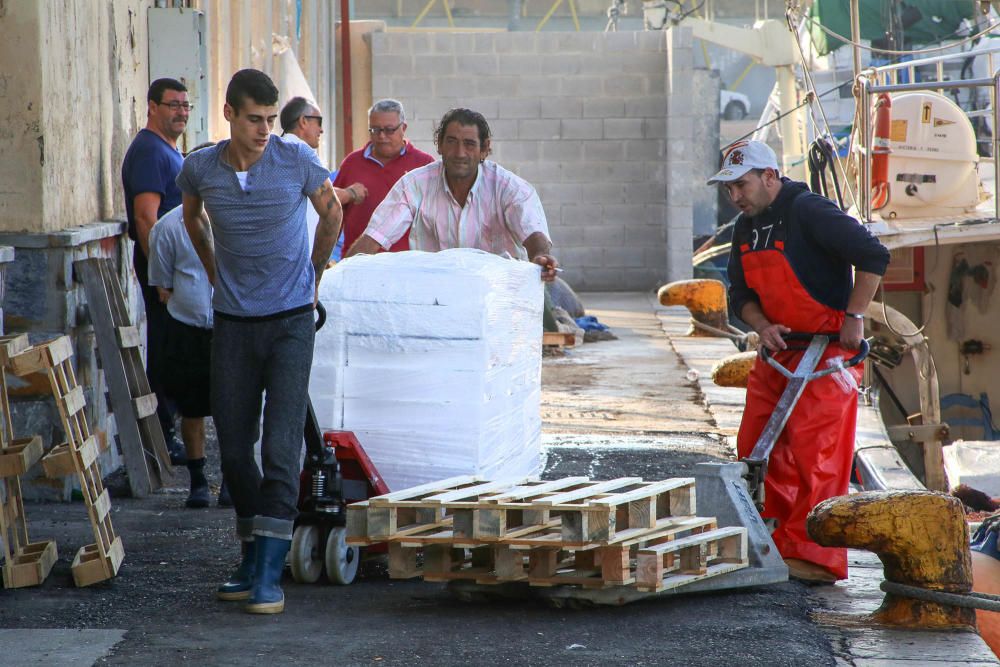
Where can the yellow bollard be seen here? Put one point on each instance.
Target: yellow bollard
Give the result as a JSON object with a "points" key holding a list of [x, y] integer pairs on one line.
{"points": [[734, 370], [922, 539], [704, 298]]}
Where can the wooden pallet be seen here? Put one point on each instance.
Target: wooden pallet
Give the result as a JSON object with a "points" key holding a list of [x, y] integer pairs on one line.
{"points": [[593, 567], [133, 402], [101, 560], [565, 513], [25, 563], [571, 531], [558, 339]]}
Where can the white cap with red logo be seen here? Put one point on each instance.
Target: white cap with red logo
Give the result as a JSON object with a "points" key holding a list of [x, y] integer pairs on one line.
{"points": [[743, 156]]}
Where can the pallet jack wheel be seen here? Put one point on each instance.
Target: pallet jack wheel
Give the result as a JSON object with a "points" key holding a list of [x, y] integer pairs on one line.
{"points": [[306, 556], [341, 559]]}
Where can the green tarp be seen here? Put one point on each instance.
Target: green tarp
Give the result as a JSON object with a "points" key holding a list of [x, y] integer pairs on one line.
{"points": [[940, 19]]}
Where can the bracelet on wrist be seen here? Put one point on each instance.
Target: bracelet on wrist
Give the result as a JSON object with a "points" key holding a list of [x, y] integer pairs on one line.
{"points": [[857, 316]]}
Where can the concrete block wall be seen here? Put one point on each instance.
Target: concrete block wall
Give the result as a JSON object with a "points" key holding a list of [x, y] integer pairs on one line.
{"points": [[588, 119]]}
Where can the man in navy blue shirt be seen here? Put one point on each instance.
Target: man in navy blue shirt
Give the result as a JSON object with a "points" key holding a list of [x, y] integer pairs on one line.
{"points": [[149, 171]]}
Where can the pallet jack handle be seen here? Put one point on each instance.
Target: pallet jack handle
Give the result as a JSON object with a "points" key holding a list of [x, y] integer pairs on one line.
{"points": [[814, 346], [800, 341]]}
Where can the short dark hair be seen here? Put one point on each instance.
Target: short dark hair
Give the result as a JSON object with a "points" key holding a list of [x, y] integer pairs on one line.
{"points": [[463, 117], [156, 89], [293, 111], [206, 144], [251, 83]]}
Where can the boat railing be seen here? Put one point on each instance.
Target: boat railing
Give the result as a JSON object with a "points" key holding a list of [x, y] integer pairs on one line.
{"points": [[874, 81]]}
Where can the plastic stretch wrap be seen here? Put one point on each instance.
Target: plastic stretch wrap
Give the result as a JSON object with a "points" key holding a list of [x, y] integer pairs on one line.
{"points": [[434, 361]]}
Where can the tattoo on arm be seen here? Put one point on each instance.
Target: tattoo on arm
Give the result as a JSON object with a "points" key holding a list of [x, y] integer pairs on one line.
{"points": [[331, 215]]}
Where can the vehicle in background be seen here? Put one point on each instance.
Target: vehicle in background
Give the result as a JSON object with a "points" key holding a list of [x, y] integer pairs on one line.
{"points": [[733, 105]]}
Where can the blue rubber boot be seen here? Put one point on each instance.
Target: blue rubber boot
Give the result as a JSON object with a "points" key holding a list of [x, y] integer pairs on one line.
{"points": [[239, 585], [266, 596]]}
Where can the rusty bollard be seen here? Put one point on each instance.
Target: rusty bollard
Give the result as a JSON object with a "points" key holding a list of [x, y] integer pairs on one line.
{"points": [[734, 370], [922, 539], [704, 298]]}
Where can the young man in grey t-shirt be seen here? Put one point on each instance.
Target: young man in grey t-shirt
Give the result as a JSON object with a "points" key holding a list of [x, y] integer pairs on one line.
{"points": [[255, 188]]}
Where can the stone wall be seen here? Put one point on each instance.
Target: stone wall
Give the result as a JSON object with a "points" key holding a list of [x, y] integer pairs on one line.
{"points": [[68, 109], [44, 298], [603, 124]]}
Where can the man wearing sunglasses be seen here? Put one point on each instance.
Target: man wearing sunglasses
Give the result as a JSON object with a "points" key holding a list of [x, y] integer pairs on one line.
{"points": [[377, 166], [151, 164], [301, 118]]}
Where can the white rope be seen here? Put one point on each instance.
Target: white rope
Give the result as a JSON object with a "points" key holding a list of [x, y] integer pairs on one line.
{"points": [[751, 338]]}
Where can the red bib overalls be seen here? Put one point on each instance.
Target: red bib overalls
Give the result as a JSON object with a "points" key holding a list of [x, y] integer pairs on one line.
{"points": [[811, 460]]}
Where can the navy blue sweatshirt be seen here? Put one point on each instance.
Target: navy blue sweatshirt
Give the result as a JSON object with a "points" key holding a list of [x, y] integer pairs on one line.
{"points": [[822, 243]]}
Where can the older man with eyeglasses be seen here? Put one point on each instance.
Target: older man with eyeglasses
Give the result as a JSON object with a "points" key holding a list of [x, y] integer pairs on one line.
{"points": [[382, 162], [151, 164]]}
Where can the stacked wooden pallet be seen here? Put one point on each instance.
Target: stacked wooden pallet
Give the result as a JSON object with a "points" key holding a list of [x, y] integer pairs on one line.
{"points": [[25, 563], [78, 455], [571, 531]]}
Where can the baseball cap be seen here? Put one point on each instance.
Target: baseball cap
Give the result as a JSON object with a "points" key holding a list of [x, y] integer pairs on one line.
{"points": [[741, 157]]}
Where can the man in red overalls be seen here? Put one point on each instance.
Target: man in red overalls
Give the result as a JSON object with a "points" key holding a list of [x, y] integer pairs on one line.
{"points": [[790, 269]]}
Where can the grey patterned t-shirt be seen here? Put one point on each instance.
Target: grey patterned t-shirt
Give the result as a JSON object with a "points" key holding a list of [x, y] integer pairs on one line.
{"points": [[261, 250]]}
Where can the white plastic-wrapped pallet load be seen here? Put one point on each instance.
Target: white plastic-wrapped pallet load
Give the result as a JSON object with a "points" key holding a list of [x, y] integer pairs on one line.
{"points": [[434, 361]]}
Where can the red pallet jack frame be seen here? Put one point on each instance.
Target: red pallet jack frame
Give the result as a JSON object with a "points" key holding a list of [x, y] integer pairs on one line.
{"points": [[337, 472]]}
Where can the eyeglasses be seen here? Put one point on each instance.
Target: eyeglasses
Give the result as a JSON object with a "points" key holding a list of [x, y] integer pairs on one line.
{"points": [[318, 119], [177, 106], [383, 130]]}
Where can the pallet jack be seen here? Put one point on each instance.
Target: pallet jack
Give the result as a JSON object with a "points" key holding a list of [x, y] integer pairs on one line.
{"points": [[814, 346], [731, 492], [336, 472]]}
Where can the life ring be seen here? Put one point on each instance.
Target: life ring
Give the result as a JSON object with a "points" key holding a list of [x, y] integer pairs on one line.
{"points": [[881, 151]]}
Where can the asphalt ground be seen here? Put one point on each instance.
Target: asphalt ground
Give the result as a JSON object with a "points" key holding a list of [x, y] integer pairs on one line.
{"points": [[610, 409], [163, 600]]}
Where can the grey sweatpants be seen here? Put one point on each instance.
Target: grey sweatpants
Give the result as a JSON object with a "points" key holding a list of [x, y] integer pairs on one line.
{"points": [[250, 361]]}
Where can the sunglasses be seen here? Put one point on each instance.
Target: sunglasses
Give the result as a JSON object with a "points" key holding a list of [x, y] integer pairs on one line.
{"points": [[318, 119]]}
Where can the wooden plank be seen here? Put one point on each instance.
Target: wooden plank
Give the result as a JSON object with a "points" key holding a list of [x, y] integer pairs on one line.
{"points": [[717, 534], [645, 491], [467, 493], [19, 455], [58, 462], [41, 357], [424, 489], [102, 506], [558, 338], [11, 345], [31, 565], [531, 490], [695, 555], [143, 477], [128, 336], [586, 492], [357, 524], [74, 401], [145, 406], [402, 562]]}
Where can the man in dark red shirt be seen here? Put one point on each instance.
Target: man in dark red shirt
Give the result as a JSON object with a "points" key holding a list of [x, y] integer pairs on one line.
{"points": [[378, 166]]}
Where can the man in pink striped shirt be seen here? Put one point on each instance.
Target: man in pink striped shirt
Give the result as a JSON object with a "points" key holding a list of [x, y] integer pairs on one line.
{"points": [[463, 201]]}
